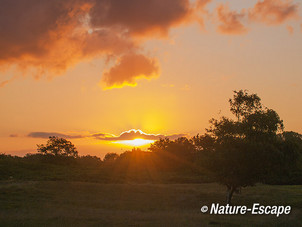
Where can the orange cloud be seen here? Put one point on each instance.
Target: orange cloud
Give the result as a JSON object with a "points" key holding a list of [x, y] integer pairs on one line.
{"points": [[44, 37], [273, 12], [128, 69], [230, 21]]}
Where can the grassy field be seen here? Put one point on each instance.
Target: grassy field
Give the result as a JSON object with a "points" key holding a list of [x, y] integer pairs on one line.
{"points": [[90, 204]]}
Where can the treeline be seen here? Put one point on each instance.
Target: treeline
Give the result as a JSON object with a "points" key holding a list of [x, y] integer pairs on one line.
{"points": [[136, 166], [167, 161], [237, 152]]}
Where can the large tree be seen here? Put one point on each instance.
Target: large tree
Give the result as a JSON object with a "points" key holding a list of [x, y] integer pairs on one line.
{"points": [[240, 151], [58, 147]]}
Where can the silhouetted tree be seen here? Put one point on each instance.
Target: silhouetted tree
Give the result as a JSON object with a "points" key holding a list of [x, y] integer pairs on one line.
{"points": [[203, 142], [110, 157], [288, 165], [58, 147], [244, 104], [176, 154], [240, 152]]}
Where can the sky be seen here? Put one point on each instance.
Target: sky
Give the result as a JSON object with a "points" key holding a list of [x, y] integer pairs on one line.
{"points": [[101, 73]]}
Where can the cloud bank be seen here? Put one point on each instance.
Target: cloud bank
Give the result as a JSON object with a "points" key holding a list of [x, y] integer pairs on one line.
{"points": [[46, 135], [138, 134], [127, 135], [45, 38]]}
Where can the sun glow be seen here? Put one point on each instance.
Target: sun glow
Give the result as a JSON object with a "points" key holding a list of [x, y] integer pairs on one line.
{"points": [[135, 142]]}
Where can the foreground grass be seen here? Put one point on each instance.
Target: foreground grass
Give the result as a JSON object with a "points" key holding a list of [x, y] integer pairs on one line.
{"points": [[91, 204]]}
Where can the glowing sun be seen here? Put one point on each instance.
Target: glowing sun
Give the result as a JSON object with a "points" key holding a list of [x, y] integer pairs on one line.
{"points": [[135, 142]]}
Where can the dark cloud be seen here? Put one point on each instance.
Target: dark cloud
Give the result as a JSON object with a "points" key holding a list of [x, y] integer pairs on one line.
{"points": [[46, 37], [273, 12], [140, 17], [230, 21], [128, 69], [30, 30], [99, 135], [46, 135]]}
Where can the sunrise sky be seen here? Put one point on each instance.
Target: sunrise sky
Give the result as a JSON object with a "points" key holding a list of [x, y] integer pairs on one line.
{"points": [[93, 70]]}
